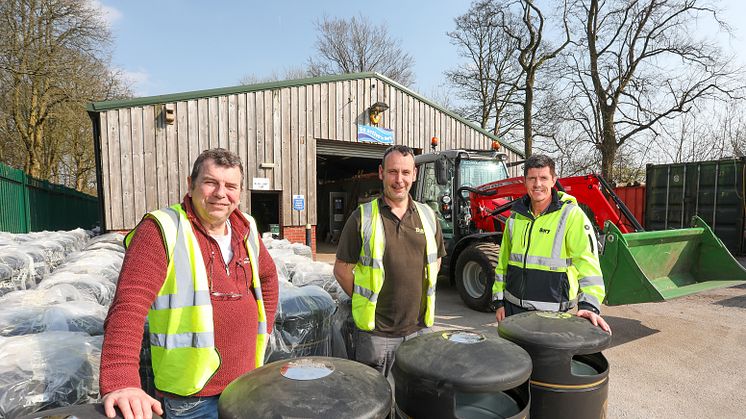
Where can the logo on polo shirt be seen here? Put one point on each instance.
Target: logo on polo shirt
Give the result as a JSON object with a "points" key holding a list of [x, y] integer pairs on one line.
{"points": [[419, 230]]}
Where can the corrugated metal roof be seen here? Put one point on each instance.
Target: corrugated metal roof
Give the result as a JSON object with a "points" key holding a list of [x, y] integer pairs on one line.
{"points": [[96, 107]]}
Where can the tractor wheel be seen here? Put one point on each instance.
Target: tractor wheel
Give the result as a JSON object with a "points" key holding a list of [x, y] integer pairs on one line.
{"points": [[475, 274]]}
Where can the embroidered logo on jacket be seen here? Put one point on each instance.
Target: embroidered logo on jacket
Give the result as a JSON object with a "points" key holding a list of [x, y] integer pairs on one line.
{"points": [[544, 230]]}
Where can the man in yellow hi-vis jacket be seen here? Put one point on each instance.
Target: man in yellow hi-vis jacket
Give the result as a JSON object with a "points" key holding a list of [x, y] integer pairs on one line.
{"points": [[201, 275], [549, 254], [387, 261]]}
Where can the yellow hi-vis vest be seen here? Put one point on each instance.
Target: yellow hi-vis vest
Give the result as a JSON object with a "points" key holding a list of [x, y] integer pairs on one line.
{"points": [[369, 273], [182, 340]]}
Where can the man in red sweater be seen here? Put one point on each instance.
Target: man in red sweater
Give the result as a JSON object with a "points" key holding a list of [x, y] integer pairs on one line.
{"points": [[208, 287]]}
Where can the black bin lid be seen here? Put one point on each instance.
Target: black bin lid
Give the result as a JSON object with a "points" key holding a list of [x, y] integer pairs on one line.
{"points": [[464, 359], [309, 387], [546, 329]]}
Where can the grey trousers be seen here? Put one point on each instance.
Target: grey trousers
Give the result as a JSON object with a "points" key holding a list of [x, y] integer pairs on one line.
{"points": [[379, 351]]}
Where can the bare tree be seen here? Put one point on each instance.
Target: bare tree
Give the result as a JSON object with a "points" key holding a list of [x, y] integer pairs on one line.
{"points": [[534, 51], [487, 81], [637, 66], [290, 73], [45, 45], [356, 45]]}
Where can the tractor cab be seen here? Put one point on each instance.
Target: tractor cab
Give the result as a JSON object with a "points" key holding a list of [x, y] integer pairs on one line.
{"points": [[444, 179]]}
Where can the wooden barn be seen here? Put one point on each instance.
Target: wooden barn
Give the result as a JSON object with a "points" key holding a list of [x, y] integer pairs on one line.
{"points": [[310, 148]]}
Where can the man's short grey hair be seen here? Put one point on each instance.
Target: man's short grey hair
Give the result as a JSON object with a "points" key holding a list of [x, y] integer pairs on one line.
{"points": [[401, 148], [538, 161], [221, 157]]}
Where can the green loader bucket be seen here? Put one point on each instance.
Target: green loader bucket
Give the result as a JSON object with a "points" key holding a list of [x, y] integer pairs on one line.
{"points": [[660, 265]]}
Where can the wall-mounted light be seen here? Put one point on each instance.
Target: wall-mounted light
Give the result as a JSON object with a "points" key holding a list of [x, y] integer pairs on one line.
{"points": [[375, 111], [169, 113]]}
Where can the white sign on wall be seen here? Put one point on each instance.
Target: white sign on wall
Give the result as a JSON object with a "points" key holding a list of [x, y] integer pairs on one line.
{"points": [[260, 183]]}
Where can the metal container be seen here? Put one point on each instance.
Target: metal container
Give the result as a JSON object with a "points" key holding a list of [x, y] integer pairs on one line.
{"points": [[312, 387], [461, 374], [570, 377], [712, 190], [634, 198]]}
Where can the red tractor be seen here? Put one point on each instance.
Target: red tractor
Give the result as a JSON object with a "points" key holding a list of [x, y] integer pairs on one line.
{"points": [[471, 193]]}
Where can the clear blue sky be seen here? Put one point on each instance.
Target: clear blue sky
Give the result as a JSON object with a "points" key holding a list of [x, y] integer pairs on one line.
{"points": [[171, 46]]}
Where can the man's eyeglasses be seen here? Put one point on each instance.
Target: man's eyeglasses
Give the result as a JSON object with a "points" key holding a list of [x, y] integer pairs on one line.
{"points": [[223, 296]]}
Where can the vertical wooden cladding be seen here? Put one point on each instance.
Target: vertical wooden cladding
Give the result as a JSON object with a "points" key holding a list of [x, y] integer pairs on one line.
{"points": [[146, 161]]}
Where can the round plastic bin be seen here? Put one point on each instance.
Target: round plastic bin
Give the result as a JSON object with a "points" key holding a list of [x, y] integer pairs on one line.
{"points": [[570, 377], [461, 374], [311, 387]]}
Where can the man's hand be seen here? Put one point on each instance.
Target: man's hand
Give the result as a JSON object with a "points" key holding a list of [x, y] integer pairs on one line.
{"points": [[133, 402], [500, 314], [594, 318]]}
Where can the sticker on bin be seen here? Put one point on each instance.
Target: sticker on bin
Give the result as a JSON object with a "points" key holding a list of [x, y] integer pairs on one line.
{"points": [[553, 315], [306, 369], [463, 337]]}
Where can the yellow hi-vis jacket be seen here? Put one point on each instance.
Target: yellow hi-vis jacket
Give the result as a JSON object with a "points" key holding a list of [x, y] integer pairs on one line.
{"points": [[369, 272], [546, 260], [182, 340]]}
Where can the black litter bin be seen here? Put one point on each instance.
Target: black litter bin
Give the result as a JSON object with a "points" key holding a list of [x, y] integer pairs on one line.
{"points": [[311, 387], [570, 378], [85, 411], [303, 323], [461, 374]]}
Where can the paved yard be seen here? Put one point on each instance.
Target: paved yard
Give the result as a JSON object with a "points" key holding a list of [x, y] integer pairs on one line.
{"points": [[680, 358]]}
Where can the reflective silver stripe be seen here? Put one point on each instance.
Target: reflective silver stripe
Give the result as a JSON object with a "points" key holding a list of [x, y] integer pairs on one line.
{"points": [[366, 221], [253, 244], [546, 262], [370, 262], [180, 300], [539, 305], [511, 221], [183, 340], [430, 291], [186, 295], [172, 218], [368, 294], [427, 216], [590, 299], [262, 328], [590, 281], [559, 235], [499, 278]]}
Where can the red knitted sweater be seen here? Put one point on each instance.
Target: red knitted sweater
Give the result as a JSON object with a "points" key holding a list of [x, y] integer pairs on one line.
{"points": [[142, 275]]}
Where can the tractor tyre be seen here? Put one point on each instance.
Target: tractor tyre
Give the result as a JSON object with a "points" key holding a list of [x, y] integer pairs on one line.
{"points": [[475, 274]]}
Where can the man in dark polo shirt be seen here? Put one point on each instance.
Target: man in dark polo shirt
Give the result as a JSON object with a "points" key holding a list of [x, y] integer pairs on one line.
{"points": [[391, 276]]}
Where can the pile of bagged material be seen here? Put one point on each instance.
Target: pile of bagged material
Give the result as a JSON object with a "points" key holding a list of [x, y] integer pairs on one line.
{"points": [[313, 314], [55, 288]]}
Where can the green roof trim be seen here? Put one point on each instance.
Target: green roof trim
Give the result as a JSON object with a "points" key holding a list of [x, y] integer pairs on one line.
{"points": [[96, 107]]}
